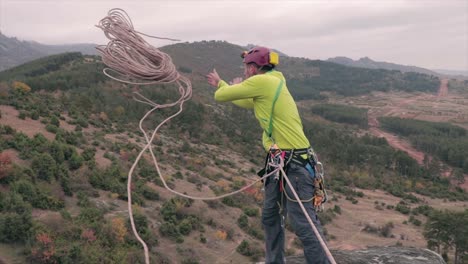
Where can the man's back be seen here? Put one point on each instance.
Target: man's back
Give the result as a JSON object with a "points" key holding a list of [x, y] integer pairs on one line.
{"points": [[259, 92]]}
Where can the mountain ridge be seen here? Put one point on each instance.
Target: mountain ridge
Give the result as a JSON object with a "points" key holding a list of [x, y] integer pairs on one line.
{"points": [[14, 52], [366, 62]]}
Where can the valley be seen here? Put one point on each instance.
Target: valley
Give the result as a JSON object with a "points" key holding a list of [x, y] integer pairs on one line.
{"points": [[86, 135]]}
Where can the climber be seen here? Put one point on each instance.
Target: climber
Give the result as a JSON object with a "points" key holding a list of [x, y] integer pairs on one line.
{"points": [[264, 90]]}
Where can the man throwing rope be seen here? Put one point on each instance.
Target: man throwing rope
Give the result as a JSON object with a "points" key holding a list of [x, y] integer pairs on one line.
{"points": [[264, 90]]}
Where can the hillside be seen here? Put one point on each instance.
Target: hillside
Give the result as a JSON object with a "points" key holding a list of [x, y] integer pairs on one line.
{"points": [[14, 52], [69, 136], [308, 79], [371, 64]]}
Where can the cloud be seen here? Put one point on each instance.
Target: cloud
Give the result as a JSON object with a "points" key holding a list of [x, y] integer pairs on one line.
{"points": [[428, 33]]}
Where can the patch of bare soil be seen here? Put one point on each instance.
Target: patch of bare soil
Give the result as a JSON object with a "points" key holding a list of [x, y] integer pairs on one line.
{"points": [[27, 126], [15, 159], [372, 210], [101, 161]]}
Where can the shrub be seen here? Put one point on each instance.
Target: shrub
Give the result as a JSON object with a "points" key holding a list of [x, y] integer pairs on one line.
{"points": [[403, 208], [15, 227], [51, 128], [54, 121], [88, 154], [22, 115], [169, 229], [251, 211], [337, 209], [25, 188], [257, 233], [185, 227], [230, 201], [326, 216], [150, 194], [13, 202], [415, 221], [254, 252], [44, 166], [34, 115], [178, 175], [90, 215], [243, 221], [423, 209], [75, 161], [20, 88]]}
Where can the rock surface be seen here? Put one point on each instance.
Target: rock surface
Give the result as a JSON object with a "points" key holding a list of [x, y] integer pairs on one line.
{"points": [[380, 255]]}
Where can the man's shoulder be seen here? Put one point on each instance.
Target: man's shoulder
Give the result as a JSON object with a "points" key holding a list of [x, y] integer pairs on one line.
{"points": [[266, 77]]}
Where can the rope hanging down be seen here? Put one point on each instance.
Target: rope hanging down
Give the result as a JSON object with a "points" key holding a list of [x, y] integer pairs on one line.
{"points": [[137, 62]]}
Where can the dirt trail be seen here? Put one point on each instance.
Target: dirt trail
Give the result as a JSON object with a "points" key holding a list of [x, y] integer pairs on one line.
{"points": [[397, 142], [393, 140], [443, 89]]}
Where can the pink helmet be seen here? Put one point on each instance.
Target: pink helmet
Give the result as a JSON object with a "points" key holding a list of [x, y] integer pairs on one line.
{"points": [[261, 56]]}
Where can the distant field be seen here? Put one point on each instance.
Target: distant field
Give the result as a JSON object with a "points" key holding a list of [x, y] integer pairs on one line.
{"points": [[452, 108], [348, 227]]}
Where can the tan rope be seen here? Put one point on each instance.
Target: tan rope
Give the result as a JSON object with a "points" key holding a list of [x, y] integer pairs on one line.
{"points": [[316, 232]]}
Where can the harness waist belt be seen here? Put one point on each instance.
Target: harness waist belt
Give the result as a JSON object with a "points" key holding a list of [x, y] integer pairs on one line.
{"points": [[296, 156]]}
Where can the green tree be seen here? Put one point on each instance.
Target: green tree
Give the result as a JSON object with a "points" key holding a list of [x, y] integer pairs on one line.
{"points": [[75, 161], [447, 230], [55, 121], [243, 221], [44, 166], [458, 176], [15, 227], [15, 218], [56, 151]]}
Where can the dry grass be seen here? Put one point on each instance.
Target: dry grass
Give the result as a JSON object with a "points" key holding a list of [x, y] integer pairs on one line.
{"points": [[347, 227], [27, 126]]}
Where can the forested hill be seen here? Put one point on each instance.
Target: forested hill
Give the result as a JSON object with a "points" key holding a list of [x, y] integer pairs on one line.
{"points": [[306, 78], [371, 64]]}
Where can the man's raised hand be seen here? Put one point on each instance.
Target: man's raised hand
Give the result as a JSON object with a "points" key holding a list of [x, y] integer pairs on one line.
{"points": [[213, 78]]}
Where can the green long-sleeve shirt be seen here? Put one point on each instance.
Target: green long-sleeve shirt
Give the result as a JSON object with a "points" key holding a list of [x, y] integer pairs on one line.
{"points": [[258, 93]]}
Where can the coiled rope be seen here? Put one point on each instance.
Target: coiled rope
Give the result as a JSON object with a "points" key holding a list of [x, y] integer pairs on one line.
{"points": [[135, 61]]}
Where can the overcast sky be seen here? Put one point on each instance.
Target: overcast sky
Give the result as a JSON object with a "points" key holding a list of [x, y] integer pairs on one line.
{"points": [[427, 33]]}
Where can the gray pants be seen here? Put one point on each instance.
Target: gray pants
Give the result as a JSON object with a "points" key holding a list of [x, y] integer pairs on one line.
{"points": [[302, 182]]}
